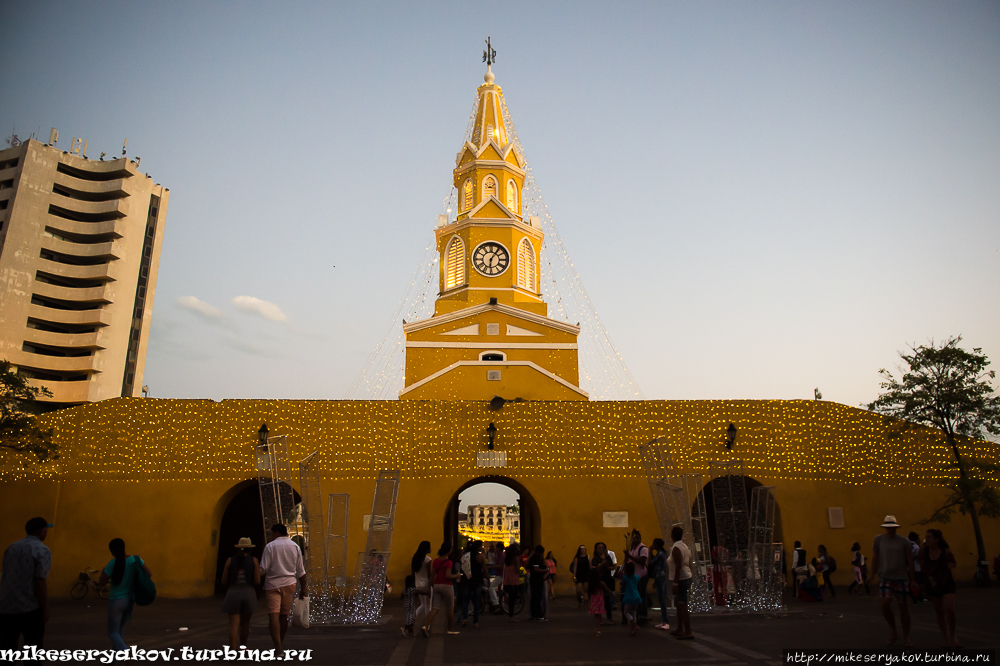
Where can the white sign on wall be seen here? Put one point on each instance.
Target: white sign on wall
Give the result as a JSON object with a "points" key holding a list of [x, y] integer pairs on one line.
{"points": [[836, 517], [491, 458], [616, 518]]}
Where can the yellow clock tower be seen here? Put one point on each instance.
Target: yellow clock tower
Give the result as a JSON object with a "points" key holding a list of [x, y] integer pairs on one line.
{"points": [[490, 335]]}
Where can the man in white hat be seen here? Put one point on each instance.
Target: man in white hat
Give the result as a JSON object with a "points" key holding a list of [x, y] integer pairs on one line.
{"points": [[892, 558]]}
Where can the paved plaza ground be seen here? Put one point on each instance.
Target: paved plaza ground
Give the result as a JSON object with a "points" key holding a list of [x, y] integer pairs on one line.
{"points": [[567, 638]]}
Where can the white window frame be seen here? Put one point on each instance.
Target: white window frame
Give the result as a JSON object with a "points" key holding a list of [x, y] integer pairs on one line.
{"points": [[447, 263], [468, 202], [511, 187], [533, 287], [496, 184]]}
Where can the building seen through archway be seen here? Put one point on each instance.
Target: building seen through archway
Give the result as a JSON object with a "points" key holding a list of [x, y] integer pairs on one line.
{"points": [[491, 509]]}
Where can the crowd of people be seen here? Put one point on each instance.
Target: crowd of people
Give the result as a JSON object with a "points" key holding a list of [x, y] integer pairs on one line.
{"points": [[496, 580], [24, 594], [910, 570], [501, 580]]}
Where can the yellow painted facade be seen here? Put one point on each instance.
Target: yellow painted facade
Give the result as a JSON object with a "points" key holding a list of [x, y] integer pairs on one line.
{"points": [[489, 334], [160, 473]]}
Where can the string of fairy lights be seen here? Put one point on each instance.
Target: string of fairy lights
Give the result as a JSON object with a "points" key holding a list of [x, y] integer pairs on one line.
{"points": [[196, 440], [603, 372]]}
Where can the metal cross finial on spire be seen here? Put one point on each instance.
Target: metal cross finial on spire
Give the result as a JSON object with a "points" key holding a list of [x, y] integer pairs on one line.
{"points": [[490, 54]]}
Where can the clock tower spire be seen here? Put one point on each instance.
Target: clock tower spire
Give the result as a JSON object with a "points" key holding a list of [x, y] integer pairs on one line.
{"points": [[489, 310], [490, 250]]}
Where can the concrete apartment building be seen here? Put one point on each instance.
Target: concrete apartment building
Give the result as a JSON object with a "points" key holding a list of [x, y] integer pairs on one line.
{"points": [[79, 251]]}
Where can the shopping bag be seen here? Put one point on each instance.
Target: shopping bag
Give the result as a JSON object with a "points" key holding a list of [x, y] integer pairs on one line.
{"points": [[300, 613]]}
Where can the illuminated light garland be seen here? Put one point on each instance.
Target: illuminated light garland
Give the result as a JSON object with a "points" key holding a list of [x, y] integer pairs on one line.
{"points": [[145, 439], [603, 373]]}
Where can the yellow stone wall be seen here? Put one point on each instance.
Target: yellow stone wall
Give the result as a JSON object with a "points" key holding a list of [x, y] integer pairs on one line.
{"points": [[160, 473]]}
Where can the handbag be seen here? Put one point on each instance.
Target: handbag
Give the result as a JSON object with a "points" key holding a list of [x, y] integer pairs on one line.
{"points": [[143, 587]]}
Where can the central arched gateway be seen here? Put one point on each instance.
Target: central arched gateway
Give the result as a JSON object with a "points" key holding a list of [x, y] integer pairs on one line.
{"points": [[749, 483], [531, 520]]}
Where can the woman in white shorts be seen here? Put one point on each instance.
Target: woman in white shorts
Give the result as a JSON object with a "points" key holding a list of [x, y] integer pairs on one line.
{"points": [[421, 567]]}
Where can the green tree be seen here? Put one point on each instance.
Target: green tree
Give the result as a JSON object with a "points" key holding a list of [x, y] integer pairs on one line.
{"points": [[19, 431], [948, 388]]}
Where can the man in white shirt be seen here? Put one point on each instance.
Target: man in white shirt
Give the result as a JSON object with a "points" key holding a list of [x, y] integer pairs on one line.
{"points": [[281, 564]]}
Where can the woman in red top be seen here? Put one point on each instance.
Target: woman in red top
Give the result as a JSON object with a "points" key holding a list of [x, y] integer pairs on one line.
{"points": [[444, 592], [511, 578]]}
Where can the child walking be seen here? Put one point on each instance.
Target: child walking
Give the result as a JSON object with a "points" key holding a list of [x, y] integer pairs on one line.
{"points": [[409, 604], [631, 598], [596, 589]]}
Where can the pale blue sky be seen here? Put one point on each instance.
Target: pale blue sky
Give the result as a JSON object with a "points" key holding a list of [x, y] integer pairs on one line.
{"points": [[761, 198]]}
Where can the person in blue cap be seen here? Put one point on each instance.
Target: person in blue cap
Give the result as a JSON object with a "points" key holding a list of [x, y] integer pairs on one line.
{"points": [[24, 596]]}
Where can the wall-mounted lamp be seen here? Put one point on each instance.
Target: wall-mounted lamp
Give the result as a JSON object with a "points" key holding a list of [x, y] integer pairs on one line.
{"points": [[491, 432], [730, 436], [262, 436]]}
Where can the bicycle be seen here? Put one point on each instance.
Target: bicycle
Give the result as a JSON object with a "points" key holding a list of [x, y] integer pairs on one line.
{"points": [[86, 584], [484, 600]]}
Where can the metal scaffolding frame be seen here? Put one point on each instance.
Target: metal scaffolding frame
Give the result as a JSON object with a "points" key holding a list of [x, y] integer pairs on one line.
{"points": [[732, 533], [274, 478], [678, 501], [765, 580], [314, 545], [365, 604], [337, 514]]}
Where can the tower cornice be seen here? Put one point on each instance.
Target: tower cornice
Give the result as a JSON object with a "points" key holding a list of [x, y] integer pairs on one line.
{"points": [[487, 307], [488, 164], [465, 223]]}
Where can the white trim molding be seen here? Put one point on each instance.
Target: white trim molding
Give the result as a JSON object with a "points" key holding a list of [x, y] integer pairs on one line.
{"points": [[517, 331], [471, 329], [491, 345], [508, 310], [523, 292], [493, 364]]}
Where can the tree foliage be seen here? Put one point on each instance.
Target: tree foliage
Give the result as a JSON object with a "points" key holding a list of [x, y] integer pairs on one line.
{"points": [[965, 491], [944, 387], [19, 431], [951, 389]]}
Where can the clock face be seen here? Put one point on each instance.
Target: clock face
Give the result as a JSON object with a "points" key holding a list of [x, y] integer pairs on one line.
{"points": [[490, 258]]}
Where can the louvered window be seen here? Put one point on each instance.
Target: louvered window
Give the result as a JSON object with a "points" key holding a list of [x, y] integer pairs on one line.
{"points": [[511, 196], [467, 195], [526, 265], [454, 270], [489, 187]]}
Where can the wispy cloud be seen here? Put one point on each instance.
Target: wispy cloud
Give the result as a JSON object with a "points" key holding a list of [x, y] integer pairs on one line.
{"points": [[249, 347], [201, 308], [263, 308]]}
